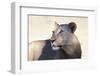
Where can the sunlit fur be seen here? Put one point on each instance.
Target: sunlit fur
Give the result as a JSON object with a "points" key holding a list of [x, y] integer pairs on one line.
{"points": [[35, 49]]}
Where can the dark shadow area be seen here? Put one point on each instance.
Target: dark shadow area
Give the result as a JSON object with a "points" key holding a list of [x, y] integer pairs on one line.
{"points": [[48, 53]]}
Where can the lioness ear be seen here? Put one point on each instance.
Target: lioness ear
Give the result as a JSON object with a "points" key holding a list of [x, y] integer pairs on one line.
{"points": [[72, 26], [56, 24]]}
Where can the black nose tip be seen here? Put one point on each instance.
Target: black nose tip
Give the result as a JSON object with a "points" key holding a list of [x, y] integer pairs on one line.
{"points": [[52, 41]]}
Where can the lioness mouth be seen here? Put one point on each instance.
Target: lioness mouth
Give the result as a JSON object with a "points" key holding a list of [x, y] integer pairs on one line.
{"points": [[55, 48]]}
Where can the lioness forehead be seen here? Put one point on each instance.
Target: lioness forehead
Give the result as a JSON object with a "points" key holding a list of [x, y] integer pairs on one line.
{"points": [[63, 26]]}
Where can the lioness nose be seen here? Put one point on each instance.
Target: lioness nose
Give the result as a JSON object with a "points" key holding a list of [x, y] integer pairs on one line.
{"points": [[52, 41]]}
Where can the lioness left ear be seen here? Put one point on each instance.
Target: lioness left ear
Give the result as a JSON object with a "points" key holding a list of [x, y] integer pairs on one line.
{"points": [[72, 26]]}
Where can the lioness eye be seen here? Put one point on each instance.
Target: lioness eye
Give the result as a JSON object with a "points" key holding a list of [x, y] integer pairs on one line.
{"points": [[61, 31]]}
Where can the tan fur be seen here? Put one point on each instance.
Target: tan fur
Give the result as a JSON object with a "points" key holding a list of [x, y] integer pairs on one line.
{"points": [[35, 49]]}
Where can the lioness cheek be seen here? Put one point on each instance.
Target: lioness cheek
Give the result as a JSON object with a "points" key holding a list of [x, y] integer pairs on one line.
{"points": [[59, 40]]}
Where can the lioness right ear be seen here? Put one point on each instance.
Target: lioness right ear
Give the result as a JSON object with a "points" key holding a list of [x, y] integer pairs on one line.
{"points": [[56, 24], [72, 26]]}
